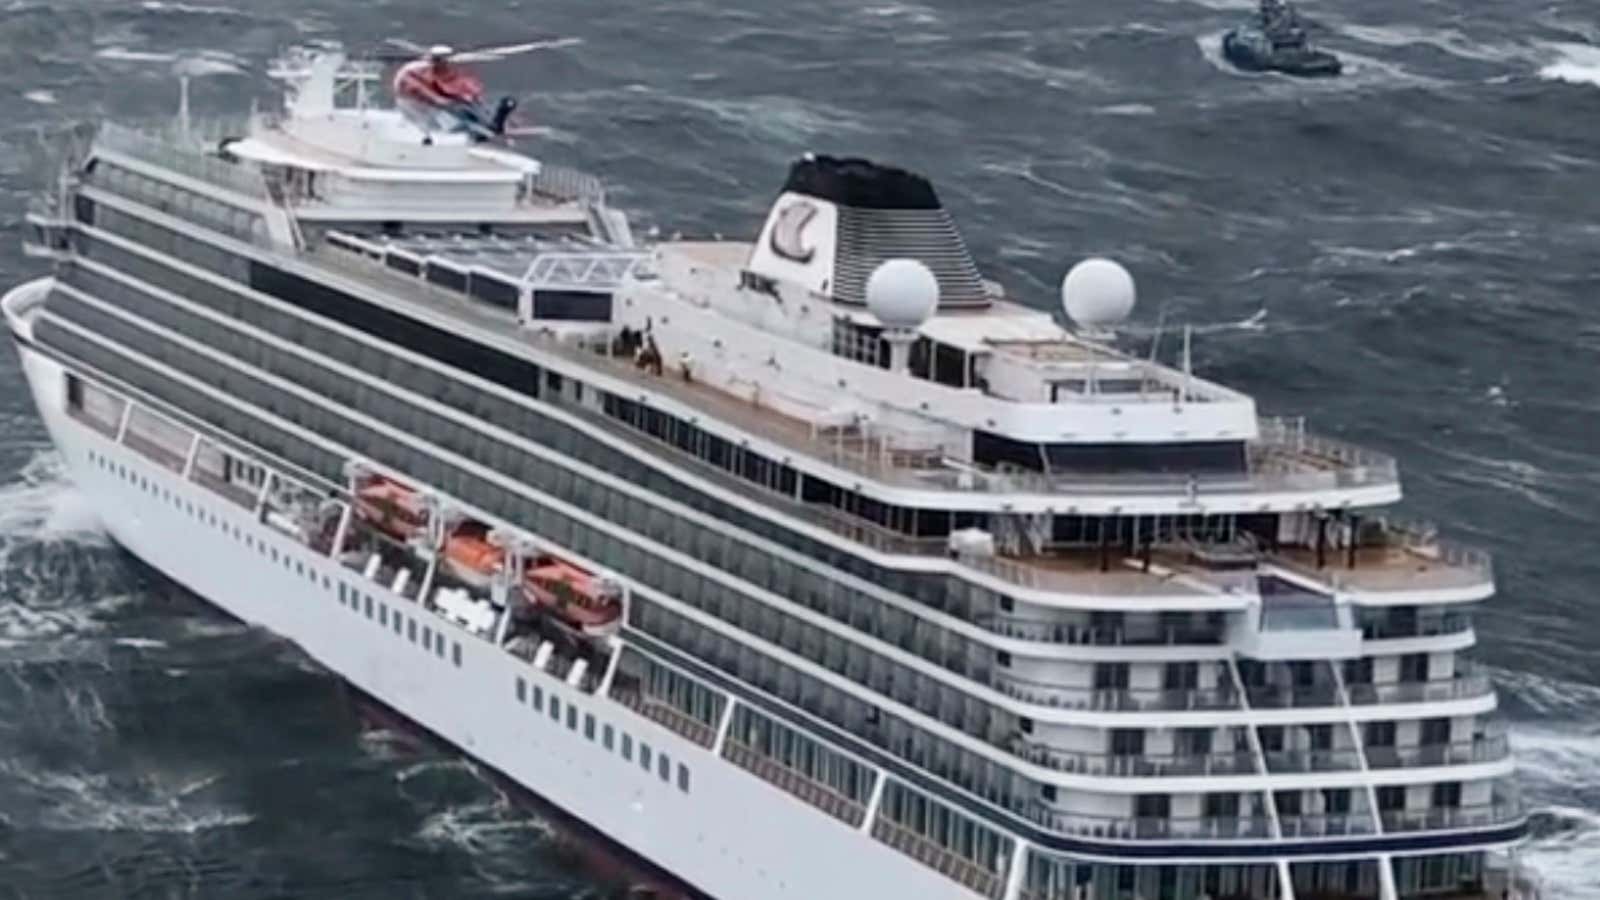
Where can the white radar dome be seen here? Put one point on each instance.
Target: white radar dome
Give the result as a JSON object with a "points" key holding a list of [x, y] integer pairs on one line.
{"points": [[1097, 293], [902, 293]]}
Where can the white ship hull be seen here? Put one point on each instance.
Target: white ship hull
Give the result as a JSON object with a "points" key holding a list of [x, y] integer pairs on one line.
{"points": [[731, 835]]}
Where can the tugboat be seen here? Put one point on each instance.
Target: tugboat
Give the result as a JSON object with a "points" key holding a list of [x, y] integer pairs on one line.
{"points": [[1276, 42]]}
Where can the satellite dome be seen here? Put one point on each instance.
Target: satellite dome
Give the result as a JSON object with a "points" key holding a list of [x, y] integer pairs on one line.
{"points": [[902, 293], [1097, 293]]}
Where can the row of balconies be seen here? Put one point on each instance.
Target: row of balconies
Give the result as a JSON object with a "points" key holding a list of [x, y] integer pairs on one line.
{"points": [[1466, 683], [1388, 626], [1486, 749], [1248, 827]]}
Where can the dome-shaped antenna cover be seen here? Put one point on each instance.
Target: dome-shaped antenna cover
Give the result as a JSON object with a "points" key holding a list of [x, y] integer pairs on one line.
{"points": [[902, 293], [1098, 293]]}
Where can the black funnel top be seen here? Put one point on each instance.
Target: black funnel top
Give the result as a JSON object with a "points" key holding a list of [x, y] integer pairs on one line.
{"points": [[860, 183], [887, 213]]}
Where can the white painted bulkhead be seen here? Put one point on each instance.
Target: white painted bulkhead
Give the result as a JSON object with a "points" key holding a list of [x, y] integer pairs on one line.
{"points": [[475, 706]]}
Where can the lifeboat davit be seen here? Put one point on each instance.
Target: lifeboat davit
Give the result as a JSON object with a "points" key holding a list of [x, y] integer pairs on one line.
{"points": [[578, 598], [391, 508]]}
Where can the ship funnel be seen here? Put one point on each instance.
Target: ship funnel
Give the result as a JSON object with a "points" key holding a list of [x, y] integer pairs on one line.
{"points": [[837, 220]]}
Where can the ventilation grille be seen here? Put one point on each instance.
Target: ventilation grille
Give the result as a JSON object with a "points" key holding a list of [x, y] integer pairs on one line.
{"points": [[869, 237]]}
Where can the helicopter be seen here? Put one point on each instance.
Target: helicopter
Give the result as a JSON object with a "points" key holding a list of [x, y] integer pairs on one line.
{"points": [[434, 91]]}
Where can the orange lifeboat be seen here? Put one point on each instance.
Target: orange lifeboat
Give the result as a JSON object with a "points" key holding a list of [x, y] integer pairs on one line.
{"points": [[391, 508], [577, 598], [470, 558]]}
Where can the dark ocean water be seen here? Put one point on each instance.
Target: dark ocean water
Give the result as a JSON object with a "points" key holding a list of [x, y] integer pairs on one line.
{"points": [[1404, 254]]}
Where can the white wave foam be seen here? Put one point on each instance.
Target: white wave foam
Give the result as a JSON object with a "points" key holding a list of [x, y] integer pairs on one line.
{"points": [[65, 801], [191, 9], [1563, 859], [910, 12], [1447, 40], [1574, 64], [123, 54], [41, 97], [43, 505]]}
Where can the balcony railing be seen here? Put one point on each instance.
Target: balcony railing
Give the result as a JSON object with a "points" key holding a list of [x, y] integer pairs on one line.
{"points": [[1326, 824], [668, 717], [1092, 636], [1451, 817], [1138, 765], [795, 783], [1115, 699], [1462, 687], [1313, 760], [957, 868], [1141, 828], [1389, 629], [1293, 696], [1461, 753]]}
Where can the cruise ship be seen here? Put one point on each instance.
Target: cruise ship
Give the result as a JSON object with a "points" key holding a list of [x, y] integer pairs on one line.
{"points": [[812, 566]]}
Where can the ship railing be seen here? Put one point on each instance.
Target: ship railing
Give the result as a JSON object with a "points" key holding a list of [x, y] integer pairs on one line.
{"points": [[1057, 696], [906, 460], [1045, 631], [1326, 824], [1421, 538], [106, 422], [592, 270], [951, 865], [1279, 761], [1490, 748], [1293, 696], [567, 185], [1468, 683], [1138, 765], [1419, 627], [668, 717], [1448, 818], [169, 153], [795, 783], [1147, 828]]}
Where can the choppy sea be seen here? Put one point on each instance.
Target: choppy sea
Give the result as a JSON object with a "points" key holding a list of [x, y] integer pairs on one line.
{"points": [[1404, 254]]}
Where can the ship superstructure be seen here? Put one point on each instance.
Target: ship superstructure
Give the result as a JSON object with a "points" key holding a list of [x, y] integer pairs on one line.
{"points": [[807, 567]]}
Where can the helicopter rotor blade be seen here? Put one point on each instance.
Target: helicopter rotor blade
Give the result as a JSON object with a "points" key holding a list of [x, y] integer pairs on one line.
{"points": [[489, 54], [407, 46]]}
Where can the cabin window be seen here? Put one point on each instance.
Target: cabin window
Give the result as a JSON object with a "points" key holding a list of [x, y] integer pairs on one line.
{"points": [[608, 737], [572, 306], [627, 747], [572, 717], [664, 769], [494, 290], [683, 778], [522, 690], [588, 726], [644, 756], [455, 653], [555, 708]]}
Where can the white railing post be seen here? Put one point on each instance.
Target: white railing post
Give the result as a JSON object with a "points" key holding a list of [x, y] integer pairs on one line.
{"points": [[1286, 881], [189, 458], [604, 690], [1017, 871], [873, 802], [341, 532], [1387, 889], [122, 423], [723, 727]]}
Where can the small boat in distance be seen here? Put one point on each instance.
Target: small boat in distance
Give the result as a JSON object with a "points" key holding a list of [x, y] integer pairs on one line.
{"points": [[1275, 41]]}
